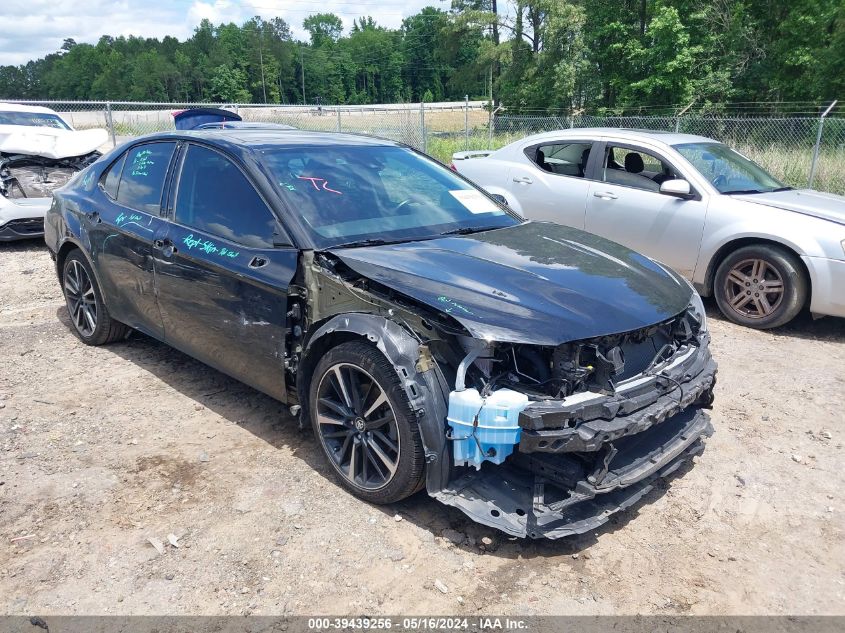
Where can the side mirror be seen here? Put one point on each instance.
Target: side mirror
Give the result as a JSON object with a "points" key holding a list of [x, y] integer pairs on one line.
{"points": [[678, 188]]}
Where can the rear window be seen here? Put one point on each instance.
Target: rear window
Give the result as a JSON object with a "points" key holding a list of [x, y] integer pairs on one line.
{"points": [[564, 159], [112, 179], [142, 180]]}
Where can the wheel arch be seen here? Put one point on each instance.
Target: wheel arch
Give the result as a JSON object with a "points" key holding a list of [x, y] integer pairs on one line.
{"points": [[729, 247], [68, 246], [419, 375], [61, 256]]}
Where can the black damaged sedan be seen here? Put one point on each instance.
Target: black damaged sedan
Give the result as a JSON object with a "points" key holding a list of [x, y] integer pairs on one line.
{"points": [[537, 377]]}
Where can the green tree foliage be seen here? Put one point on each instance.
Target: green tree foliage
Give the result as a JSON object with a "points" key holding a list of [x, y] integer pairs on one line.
{"points": [[539, 54]]}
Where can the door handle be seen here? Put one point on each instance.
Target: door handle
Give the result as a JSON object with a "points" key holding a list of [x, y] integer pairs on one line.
{"points": [[257, 262], [526, 180], [605, 195], [94, 216]]}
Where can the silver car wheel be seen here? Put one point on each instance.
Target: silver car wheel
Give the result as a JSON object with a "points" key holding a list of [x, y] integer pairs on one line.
{"points": [[754, 288]]}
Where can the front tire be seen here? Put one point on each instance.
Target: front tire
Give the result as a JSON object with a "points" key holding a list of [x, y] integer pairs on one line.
{"points": [[362, 419], [760, 286], [91, 321]]}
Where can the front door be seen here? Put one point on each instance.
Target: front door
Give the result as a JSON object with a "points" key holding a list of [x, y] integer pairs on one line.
{"points": [[625, 205], [222, 286]]}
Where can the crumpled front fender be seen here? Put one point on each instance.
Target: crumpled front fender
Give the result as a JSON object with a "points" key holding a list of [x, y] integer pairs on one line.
{"points": [[419, 375]]}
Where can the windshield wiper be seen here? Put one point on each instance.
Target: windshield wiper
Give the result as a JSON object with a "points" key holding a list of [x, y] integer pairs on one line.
{"points": [[742, 191], [368, 242], [466, 230], [782, 189]]}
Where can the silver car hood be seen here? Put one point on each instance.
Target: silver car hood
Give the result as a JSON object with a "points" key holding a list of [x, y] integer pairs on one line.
{"points": [[818, 204]]}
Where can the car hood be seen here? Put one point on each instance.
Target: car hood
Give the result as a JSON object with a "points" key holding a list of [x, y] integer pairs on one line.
{"points": [[50, 142], [536, 283], [818, 204]]}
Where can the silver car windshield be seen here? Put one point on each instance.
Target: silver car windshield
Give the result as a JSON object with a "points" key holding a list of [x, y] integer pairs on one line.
{"points": [[729, 171]]}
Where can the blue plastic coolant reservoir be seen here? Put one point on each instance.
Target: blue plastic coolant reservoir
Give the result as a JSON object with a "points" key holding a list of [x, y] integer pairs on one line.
{"points": [[496, 432]]}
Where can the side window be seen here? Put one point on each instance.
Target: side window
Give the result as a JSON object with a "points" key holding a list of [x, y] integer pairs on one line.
{"points": [[565, 159], [635, 168], [215, 197], [112, 179], [143, 176]]}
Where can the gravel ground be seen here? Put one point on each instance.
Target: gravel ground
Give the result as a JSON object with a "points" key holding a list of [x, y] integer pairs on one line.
{"points": [[106, 451]]}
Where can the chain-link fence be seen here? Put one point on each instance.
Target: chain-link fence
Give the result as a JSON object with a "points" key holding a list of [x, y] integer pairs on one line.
{"points": [[790, 147]]}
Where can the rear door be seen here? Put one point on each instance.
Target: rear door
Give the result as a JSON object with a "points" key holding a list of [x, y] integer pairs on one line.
{"points": [[626, 206], [552, 184], [222, 285], [122, 231]]}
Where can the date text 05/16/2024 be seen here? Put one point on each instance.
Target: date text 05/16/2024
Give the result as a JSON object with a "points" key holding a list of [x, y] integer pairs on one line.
{"points": [[419, 624]]}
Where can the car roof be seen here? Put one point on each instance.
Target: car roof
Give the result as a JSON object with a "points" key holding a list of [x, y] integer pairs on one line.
{"points": [[19, 107], [251, 139], [633, 134]]}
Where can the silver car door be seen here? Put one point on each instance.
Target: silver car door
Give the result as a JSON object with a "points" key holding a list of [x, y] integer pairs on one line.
{"points": [[549, 181], [625, 205]]}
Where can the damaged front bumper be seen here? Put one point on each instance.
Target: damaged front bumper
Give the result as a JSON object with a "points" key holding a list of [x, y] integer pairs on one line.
{"points": [[584, 458], [22, 219]]}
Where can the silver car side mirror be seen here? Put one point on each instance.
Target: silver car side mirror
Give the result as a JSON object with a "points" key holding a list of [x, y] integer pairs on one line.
{"points": [[678, 188]]}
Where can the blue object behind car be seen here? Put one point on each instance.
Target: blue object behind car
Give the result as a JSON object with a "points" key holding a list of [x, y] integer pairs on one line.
{"points": [[193, 118], [244, 125]]}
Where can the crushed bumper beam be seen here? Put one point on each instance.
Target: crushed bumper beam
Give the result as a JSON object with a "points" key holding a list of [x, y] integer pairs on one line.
{"points": [[525, 502], [588, 424]]}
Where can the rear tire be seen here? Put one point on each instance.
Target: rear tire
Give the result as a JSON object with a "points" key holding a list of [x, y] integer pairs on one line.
{"points": [[89, 317], [760, 286], [362, 419]]}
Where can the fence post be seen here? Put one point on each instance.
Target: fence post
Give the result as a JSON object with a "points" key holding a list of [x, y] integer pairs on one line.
{"points": [[680, 114], [110, 124], [422, 125], [466, 122], [338, 119], [818, 145]]}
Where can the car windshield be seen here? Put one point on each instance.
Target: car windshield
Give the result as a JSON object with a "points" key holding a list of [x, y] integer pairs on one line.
{"points": [[355, 194], [727, 170], [37, 119]]}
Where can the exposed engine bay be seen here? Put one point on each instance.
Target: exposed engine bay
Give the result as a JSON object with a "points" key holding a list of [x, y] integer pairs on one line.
{"points": [[543, 441], [28, 176]]}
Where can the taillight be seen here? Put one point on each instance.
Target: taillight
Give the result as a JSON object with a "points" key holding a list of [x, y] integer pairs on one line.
{"points": [[452, 167]]}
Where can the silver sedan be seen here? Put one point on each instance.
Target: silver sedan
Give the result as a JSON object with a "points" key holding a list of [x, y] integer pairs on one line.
{"points": [[763, 249]]}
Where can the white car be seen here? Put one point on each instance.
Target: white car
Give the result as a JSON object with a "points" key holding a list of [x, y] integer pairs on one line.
{"points": [[763, 249], [39, 152]]}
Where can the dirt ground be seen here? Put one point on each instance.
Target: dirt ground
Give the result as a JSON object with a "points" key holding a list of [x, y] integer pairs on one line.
{"points": [[104, 448]]}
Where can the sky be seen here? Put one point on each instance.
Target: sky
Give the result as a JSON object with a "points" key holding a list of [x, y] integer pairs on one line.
{"points": [[30, 29]]}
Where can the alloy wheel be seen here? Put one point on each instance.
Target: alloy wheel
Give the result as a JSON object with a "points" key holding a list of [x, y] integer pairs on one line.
{"points": [[754, 288], [357, 426], [81, 302]]}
